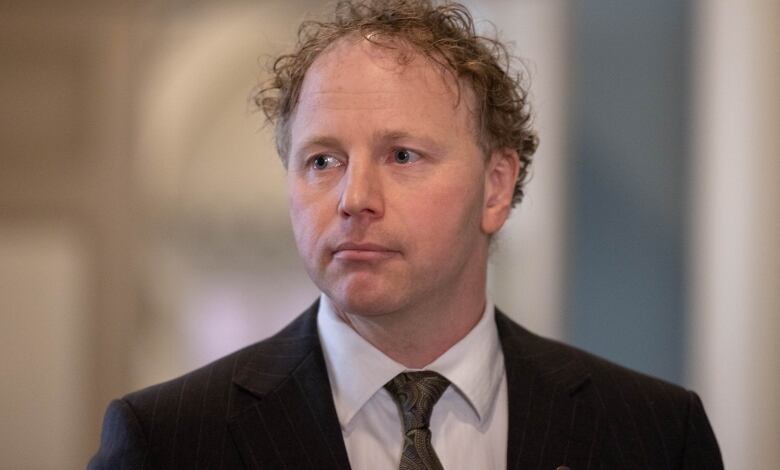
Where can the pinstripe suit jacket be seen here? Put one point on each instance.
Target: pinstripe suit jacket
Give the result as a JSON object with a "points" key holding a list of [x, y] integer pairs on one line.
{"points": [[269, 406]]}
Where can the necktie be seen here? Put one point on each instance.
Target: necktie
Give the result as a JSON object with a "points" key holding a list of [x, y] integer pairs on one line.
{"points": [[416, 393]]}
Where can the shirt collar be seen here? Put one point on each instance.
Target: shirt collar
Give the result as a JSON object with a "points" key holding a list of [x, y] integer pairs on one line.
{"points": [[357, 370], [475, 364]]}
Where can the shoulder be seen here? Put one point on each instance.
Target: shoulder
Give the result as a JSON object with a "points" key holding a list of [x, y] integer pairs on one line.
{"points": [[568, 364], [160, 425], [642, 418], [212, 386]]}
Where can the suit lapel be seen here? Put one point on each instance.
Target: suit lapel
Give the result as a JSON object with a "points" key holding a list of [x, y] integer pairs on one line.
{"points": [[289, 421], [284, 417], [549, 426]]}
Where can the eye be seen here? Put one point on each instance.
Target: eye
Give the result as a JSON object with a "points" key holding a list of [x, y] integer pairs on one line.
{"points": [[323, 162], [404, 156]]}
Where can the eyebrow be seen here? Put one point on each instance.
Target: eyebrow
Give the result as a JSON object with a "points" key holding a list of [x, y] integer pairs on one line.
{"points": [[382, 137], [316, 141], [390, 135], [396, 135]]}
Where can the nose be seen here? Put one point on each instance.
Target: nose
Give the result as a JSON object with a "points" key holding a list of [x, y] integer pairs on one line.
{"points": [[361, 194]]}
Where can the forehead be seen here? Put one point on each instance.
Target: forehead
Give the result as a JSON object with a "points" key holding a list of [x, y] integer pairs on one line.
{"points": [[361, 62], [358, 79]]}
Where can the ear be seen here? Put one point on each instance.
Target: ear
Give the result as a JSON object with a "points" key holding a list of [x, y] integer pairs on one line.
{"points": [[501, 173]]}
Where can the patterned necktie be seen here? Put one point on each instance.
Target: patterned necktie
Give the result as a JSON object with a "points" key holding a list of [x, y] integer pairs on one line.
{"points": [[416, 393]]}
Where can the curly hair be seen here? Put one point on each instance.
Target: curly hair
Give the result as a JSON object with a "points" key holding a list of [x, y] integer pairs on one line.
{"points": [[444, 34]]}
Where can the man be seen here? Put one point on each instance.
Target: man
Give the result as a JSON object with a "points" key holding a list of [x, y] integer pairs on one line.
{"points": [[406, 145]]}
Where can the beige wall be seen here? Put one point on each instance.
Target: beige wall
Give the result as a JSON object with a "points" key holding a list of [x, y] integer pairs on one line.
{"points": [[66, 229], [44, 344], [735, 360]]}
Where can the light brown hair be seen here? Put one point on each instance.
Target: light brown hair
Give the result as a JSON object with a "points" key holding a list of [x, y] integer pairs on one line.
{"points": [[443, 33]]}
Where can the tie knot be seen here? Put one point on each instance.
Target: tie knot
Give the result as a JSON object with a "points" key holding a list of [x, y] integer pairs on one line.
{"points": [[416, 393]]}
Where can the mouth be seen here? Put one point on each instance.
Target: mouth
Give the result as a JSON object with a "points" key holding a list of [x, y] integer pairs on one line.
{"points": [[363, 252]]}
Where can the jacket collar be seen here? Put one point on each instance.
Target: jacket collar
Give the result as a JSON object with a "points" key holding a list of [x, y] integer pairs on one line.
{"points": [[288, 420]]}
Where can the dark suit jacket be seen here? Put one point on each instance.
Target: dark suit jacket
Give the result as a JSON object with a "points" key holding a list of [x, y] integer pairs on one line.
{"points": [[269, 406]]}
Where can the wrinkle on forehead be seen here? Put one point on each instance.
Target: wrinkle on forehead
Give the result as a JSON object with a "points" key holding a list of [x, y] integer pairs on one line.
{"points": [[396, 57]]}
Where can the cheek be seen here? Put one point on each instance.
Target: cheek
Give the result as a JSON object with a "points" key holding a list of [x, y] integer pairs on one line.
{"points": [[444, 214], [458, 201], [304, 223]]}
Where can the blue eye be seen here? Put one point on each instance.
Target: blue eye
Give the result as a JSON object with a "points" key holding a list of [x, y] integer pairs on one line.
{"points": [[405, 156], [323, 162]]}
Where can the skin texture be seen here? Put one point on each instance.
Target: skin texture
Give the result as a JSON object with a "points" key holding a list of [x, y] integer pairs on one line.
{"points": [[392, 200]]}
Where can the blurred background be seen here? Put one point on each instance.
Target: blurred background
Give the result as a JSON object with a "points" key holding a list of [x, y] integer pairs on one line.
{"points": [[144, 228]]}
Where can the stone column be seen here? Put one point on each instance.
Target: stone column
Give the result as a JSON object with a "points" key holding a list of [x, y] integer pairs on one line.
{"points": [[735, 232]]}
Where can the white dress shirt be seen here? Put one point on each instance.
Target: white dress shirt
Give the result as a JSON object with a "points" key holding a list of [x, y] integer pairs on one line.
{"points": [[469, 423]]}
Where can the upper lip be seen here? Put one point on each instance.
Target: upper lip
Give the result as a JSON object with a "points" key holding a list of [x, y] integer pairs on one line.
{"points": [[361, 247]]}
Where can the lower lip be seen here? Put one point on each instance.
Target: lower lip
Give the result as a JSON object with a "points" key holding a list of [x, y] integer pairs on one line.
{"points": [[363, 255]]}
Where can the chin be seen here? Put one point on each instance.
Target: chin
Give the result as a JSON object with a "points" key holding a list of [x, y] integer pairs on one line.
{"points": [[367, 302]]}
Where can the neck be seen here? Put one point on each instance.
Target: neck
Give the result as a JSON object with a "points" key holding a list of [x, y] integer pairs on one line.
{"points": [[415, 336]]}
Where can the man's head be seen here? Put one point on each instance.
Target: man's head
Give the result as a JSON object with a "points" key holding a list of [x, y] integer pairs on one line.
{"points": [[405, 144], [444, 34]]}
